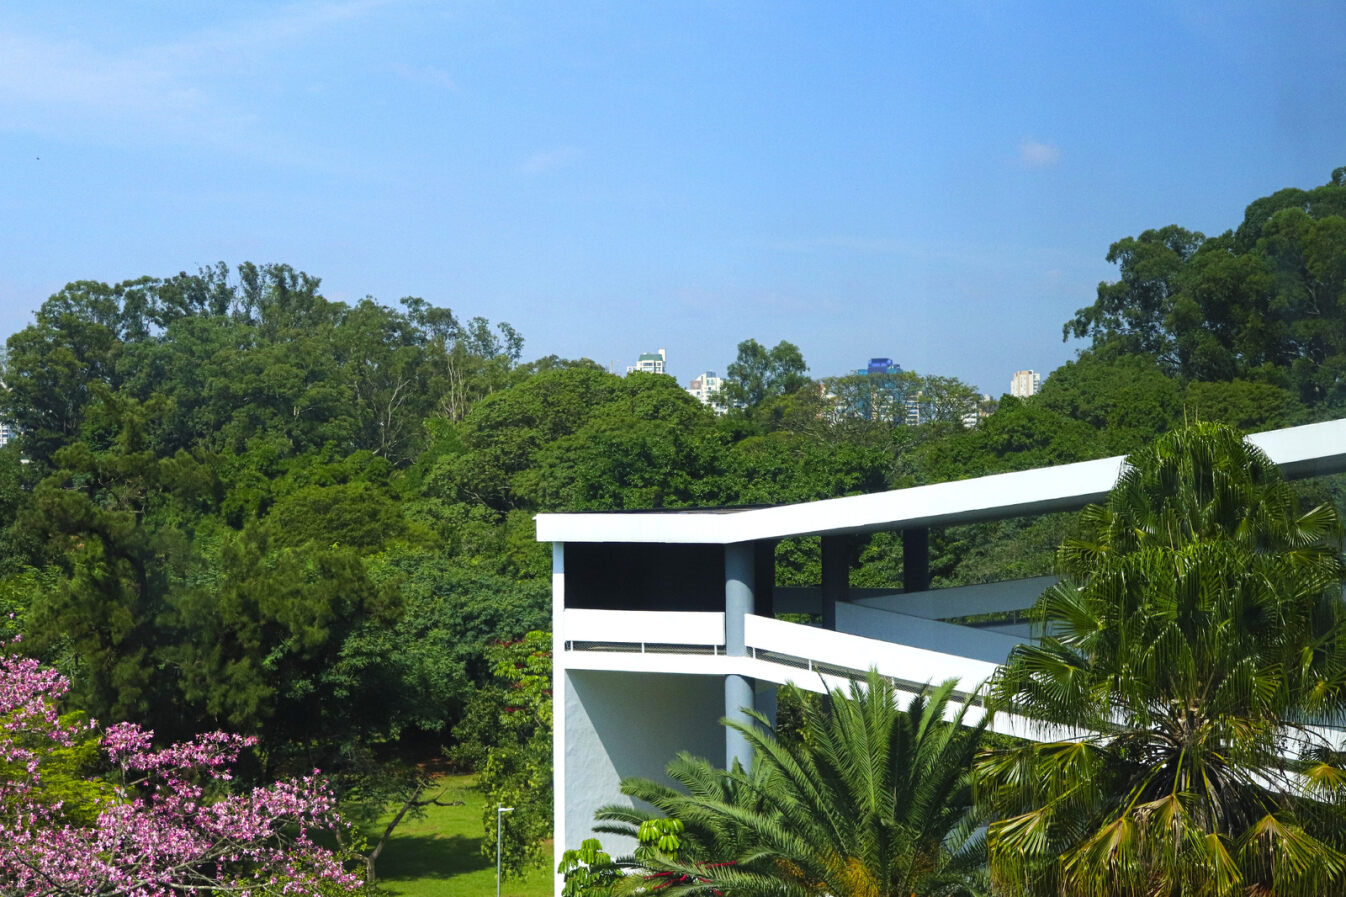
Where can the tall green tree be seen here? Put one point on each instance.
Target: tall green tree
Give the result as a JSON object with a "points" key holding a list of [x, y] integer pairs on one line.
{"points": [[502, 435], [1128, 399], [1265, 302], [1193, 648], [759, 373], [518, 768], [653, 446], [1130, 317]]}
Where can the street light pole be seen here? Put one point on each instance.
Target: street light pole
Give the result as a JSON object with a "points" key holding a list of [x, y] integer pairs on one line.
{"points": [[500, 810]]}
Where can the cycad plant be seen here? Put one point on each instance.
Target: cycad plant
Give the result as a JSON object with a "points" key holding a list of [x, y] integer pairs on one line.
{"points": [[870, 800], [1191, 674]]}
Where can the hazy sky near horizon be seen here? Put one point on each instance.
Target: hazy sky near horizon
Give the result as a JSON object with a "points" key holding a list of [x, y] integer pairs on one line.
{"points": [[936, 182]]}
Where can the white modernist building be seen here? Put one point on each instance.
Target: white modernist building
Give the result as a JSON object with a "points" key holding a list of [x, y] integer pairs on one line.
{"points": [[664, 622]]}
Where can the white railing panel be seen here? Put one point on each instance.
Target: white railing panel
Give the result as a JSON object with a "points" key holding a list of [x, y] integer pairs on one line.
{"points": [[643, 626], [854, 652], [918, 632]]}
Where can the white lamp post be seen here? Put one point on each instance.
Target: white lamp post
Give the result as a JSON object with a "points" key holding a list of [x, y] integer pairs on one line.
{"points": [[500, 810]]}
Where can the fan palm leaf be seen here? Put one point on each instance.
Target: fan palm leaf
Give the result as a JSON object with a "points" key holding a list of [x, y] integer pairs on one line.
{"points": [[1195, 646], [871, 800]]}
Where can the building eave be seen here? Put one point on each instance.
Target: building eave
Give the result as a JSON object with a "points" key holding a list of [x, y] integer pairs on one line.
{"points": [[1310, 450]]}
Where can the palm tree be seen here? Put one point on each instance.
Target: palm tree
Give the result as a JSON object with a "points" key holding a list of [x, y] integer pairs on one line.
{"points": [[870, 800], [1194, 655]]}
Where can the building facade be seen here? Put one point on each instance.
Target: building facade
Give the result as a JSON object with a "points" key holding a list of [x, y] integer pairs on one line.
{"points": [[650, 363], [706, 388], [7, 431], [664, 622], [878, 392], [880, 366], [1025, 383]]}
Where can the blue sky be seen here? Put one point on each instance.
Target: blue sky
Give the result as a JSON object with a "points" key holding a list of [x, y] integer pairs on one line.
{"points": [[934, 182]]}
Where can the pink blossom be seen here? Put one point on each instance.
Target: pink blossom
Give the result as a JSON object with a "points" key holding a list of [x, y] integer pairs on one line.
{"points": [[165, 833]]}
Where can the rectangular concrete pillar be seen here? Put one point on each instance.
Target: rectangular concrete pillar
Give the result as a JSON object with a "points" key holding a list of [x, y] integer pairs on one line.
{"points": [[764, 579], [559, 722], [915, 560], [836, 560]]}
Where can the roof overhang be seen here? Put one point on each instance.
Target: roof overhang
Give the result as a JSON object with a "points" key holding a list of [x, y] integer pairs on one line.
{"points": [[1310, 450]]}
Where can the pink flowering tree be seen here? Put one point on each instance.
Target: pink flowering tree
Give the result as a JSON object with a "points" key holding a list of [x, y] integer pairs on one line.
{"points": [[167, 824]]}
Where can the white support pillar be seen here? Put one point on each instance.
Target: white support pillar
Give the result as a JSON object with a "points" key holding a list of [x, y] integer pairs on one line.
{"points": [[739, 583], [558, 731]]}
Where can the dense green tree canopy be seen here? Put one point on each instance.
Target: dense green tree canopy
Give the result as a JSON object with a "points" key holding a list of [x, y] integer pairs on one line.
{"points": [[1265, 302], [215, 475], [1127, 400]]}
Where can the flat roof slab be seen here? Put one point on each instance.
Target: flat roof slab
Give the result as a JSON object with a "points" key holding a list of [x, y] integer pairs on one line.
{"points": [[1310, 450]]}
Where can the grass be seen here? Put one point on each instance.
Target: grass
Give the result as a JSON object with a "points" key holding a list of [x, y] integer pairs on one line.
{"points": [[439, 854]]}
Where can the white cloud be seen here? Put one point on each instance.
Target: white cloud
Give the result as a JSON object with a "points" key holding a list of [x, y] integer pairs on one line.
{"points": [[64, 76], [153, 92], [425, 74], [282, 28], [1035, 154], [550, 160]]}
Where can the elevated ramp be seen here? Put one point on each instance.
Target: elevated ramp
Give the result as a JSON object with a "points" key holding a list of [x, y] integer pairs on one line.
{"points": [[780, 652]]}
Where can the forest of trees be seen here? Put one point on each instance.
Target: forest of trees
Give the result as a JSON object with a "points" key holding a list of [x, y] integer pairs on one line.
{"points": [[234, 503]]}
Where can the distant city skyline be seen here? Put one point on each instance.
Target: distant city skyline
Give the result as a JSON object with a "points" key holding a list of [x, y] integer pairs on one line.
{"points": [[938, 182]]}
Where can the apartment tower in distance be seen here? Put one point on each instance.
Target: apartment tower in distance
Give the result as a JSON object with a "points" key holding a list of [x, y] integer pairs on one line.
{"points": [[706, 387], [1025, 383], [6, 428], [650, 363]]}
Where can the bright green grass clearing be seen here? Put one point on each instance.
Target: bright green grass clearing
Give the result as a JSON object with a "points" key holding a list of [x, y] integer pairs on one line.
{"points": [[439, 854]]}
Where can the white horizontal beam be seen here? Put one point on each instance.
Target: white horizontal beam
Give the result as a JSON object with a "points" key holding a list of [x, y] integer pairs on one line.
{"points": [[858, 653], [919, 632], [643, 626]]}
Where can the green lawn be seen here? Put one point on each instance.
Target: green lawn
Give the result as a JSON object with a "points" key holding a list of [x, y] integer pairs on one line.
{"points": [[439, 854]]}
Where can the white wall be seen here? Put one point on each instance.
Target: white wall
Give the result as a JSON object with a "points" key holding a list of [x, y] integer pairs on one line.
{"points": [[621, 724]]}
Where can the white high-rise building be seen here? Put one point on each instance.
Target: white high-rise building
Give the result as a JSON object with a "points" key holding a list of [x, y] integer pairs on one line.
{"points": [[6, 428], [706, 388], [650, 363], [1025, 383]]}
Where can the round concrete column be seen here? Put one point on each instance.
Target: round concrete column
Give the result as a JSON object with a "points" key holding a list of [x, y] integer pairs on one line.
{"points": [[739, 583]]}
